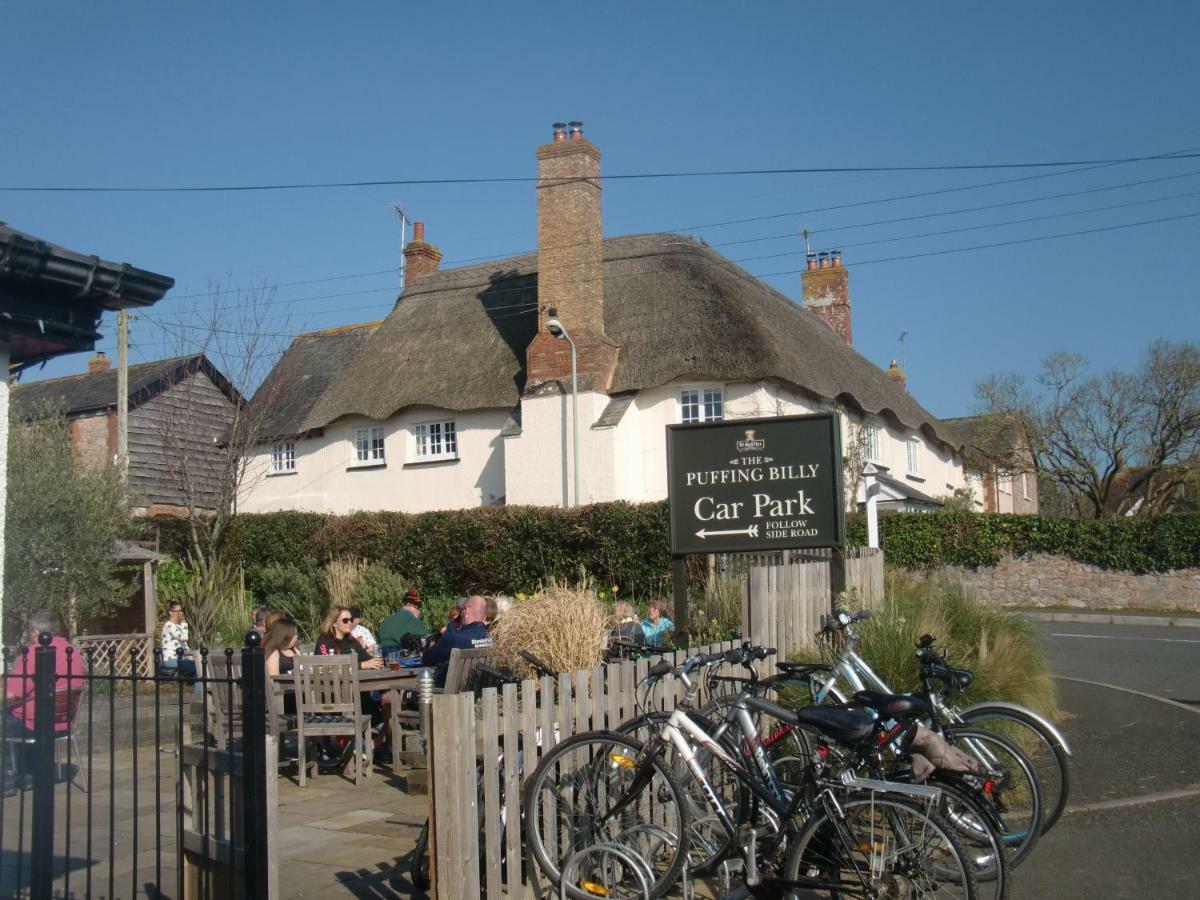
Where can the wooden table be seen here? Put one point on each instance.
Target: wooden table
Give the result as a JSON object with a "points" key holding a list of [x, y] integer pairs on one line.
{"points": [[394, 681]]}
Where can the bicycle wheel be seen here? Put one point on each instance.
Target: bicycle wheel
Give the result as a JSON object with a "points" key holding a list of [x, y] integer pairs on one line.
{"points": [[419, 867], [878, 847], [709, 841], [1009, 785], [600, 787], [1049, 757], [978, 834]]}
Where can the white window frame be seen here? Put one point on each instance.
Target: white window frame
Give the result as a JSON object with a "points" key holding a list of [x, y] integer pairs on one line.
{"points": [[283, 458], [368, 447], [914, 456], [700, 403], [873, 443], [435, 441]]}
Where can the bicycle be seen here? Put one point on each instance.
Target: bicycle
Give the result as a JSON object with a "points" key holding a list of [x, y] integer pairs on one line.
{"points": [[615, 789], [1044, 745]]}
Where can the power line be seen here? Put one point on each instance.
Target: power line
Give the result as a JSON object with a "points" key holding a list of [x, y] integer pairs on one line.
{"points": [[525, 179]]}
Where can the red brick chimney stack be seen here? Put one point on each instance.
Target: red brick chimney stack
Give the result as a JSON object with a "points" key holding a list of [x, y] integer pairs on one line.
{"points": [[420, 258], [827, 291], [897, 375], [98, 363], [570, 263]]}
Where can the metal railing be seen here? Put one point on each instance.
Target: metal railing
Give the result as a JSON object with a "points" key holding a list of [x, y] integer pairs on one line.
{"points": [[124, 817]]}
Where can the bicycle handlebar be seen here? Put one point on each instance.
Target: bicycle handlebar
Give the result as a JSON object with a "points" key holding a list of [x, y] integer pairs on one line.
{"points": [[538, 666]]}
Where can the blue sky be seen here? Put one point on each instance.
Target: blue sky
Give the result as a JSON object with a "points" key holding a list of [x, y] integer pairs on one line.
{"points": [[158, 94]]}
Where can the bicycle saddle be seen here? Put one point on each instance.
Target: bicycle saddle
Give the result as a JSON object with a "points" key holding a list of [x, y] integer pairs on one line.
{"points": [[894, 706], [846, 726], [954, 679], [793, 668]]}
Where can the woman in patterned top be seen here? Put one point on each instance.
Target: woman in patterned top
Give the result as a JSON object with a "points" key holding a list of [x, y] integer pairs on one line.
{"points": [[175, 637]]}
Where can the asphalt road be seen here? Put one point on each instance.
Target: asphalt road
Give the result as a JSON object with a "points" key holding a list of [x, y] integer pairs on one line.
{"points": [[1164, 661], [1131, 828]]}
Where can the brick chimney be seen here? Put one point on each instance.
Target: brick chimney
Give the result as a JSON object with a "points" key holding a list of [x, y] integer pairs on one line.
{"points": [[570, 264], [98, 363], [420, 258], [827, 292], [897, 375]]}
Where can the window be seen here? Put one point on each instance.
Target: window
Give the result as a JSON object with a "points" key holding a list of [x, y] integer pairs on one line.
{"points": [[701, 405], [435, 440], [283, 458], [914, 456], [1024, 486], [368, 447], [871, 437]]}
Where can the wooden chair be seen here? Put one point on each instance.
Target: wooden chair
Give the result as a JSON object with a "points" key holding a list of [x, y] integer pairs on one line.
{"points": [[327, 705], [224, 691], [463, 670]]}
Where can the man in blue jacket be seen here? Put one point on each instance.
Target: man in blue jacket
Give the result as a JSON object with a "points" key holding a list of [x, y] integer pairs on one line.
{"points": [[470, 634]]}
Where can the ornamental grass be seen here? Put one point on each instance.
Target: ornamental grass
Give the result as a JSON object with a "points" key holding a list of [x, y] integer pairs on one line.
{"points": [[563, 626]]}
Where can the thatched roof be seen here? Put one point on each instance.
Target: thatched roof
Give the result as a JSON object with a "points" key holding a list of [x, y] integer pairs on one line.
{"points": [[456, 339], [990, 440], [305, 371], [93, 392]]}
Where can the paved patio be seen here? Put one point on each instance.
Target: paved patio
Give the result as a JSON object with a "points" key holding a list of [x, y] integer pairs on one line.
{"points": [[333, 839]]}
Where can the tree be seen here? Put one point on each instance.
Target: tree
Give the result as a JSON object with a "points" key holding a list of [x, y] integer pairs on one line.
{"points": [[1116, 443], [64, 518]]}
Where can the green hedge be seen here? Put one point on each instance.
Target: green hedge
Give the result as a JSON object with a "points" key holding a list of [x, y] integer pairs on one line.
{"points": [[929, 541], [512, 549]]}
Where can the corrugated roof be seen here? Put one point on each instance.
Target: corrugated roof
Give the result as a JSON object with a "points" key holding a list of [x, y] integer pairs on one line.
{"points": [[456, 339]]}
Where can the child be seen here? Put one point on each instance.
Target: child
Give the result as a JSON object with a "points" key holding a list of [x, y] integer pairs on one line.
{"points": [[656, 627]]}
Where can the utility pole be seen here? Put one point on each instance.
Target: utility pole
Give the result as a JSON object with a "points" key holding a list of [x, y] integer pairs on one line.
{"points": [[123, 393]]}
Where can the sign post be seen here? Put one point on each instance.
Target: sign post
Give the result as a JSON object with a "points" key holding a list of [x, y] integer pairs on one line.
{"points": [[754, 486]]}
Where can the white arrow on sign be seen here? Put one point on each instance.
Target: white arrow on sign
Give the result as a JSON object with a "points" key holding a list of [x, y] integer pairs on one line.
{"points": [[749, 531]]}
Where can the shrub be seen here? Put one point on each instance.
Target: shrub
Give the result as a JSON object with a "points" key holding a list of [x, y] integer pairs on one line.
{"points": [[342, 575], [378, 593], [1000, 647], [564, 627], [297, 590]]}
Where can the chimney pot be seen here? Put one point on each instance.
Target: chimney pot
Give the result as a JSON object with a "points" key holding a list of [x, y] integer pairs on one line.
{"points": [[812, 260], [837, 258], [824, 259], [560, 131], [418, 231], [576, 129]]}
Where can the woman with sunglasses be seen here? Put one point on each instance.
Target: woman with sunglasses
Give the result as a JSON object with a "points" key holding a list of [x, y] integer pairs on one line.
{"points": [[336, 640]]}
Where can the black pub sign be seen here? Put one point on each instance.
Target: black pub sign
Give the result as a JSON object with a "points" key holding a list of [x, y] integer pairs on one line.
{"points": [[753, 485]]}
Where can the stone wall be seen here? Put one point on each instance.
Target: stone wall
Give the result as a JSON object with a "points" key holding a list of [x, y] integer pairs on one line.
{"points": [[1058, 581]]}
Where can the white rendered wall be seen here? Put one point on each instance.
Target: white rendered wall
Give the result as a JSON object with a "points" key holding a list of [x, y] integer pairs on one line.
{"points": [[325, 480], [539, 462]]}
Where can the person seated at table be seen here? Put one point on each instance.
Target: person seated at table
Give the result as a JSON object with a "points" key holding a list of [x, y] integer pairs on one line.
{"points": [[656, 627], [274, 616], [19, 716], [361, 632], [626, 627], [403, 626], [336, 640], [280, 646], [258, 618], [471, 634], [176, 657]]}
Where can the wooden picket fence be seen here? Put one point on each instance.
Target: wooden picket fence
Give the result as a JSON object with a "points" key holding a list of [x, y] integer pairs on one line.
{"points": [[476, 840], [784, 606]]}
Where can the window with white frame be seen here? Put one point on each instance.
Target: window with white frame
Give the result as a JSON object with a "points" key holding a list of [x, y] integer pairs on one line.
{"points": [[871, 441], [283, 458], [368, 447], [701, 405], [914, 456], [434, 441]]}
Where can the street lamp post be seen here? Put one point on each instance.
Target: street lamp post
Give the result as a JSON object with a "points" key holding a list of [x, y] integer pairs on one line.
{"points": [[556, 328]]}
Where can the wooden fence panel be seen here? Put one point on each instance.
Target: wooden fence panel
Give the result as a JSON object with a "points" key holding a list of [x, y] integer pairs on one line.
{"points": [[490, 750], [456, 836]]}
